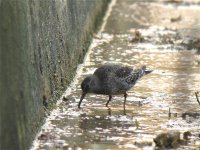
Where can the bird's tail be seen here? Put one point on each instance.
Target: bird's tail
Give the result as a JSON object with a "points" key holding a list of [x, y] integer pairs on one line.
{"points": [[138, 73], [144, 71]]}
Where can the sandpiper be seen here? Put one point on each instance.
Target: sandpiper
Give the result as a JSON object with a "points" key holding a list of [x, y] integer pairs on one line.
{"points": [[112, 79]]}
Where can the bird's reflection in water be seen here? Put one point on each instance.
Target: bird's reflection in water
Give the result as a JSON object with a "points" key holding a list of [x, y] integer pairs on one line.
{"points": [[91, 122], [95, 122], [110, 111]]}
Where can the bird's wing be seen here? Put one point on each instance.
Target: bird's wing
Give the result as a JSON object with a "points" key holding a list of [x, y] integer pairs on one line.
{"points": [[113, 71], [104, 73], [113, 77], [123, 72]]}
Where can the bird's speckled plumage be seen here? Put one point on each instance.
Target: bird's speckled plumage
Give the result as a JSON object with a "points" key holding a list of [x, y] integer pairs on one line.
{"points": [[112, 79]]}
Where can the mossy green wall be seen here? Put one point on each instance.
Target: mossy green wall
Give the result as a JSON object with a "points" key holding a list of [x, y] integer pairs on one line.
{"points": [[41, 43]]}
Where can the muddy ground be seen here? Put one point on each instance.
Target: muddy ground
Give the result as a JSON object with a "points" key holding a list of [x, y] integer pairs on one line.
{"points": [[164, 36]]}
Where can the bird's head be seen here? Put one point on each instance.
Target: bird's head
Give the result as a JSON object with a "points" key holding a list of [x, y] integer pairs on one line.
{"points": [[86, 87], [86, 84]]}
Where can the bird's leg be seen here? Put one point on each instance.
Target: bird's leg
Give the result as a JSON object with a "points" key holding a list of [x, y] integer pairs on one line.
{"points": [[110, 97], [82, 97], [125, 96]]}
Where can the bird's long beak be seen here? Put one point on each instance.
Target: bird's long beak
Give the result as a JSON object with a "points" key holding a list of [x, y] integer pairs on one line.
{"points": [[82, 97]]}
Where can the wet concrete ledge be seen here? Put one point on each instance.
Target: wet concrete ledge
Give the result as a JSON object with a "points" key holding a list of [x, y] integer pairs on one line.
{"points": [[41, 43]]}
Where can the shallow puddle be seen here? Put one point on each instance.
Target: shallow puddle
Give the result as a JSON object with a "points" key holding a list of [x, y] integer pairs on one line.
{"points": [[157, 102]]}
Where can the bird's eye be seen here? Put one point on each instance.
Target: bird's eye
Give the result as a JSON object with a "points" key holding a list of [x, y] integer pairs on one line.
{"points": [[87, 87]]}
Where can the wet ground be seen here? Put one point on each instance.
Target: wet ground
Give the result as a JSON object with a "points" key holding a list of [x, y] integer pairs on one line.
{"points": [[164, 36]]}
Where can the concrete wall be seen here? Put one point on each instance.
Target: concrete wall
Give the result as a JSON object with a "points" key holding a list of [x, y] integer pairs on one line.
{"points": [[41, 43]]}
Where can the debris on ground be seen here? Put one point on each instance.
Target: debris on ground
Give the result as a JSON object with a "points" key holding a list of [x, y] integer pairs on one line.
{"points": [[171, 139]]}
